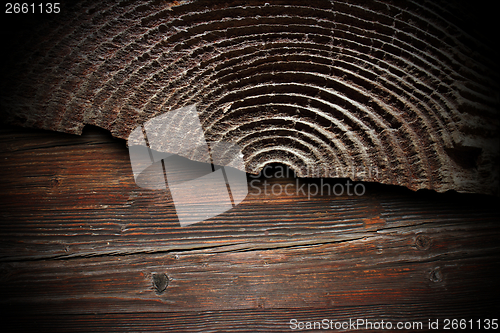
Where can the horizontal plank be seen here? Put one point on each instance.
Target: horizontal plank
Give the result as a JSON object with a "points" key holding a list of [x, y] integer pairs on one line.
{"points": [[250, 320], [355, 273], [82, 248], [83, 202]]}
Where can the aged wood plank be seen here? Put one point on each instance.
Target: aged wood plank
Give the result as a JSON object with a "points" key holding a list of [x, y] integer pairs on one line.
{"points": [[317, 281], [250, 320], [82, 245], [356, 273], [83, 202]]}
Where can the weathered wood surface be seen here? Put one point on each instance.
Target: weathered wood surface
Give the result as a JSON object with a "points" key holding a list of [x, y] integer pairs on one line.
{"points": [[408, 87], [82, 248]]}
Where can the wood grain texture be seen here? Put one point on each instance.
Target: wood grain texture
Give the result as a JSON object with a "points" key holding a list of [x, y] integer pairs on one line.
{"points": [[409, 88], [84, 249]]}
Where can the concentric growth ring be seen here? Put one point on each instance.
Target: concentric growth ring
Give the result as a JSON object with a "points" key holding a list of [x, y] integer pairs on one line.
{"points": [[400, 88]]}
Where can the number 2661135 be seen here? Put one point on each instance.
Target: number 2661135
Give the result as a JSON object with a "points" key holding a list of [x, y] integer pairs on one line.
{"points": [[32, 8]]}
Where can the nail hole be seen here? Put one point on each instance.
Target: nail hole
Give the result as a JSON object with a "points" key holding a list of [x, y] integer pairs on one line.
{"points": [[423, 242], [54, 182], [466, 157], [160, 282], [436, 275]]}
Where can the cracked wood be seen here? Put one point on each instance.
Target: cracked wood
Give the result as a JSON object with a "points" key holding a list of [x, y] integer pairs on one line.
{"points": [[410, 88], [79, 240]]}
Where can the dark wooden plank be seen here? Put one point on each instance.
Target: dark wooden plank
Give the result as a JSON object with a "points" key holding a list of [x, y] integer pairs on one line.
{"points": [[267, 320], [355, 273], [83, 202], [251, 320], [83, 248]]}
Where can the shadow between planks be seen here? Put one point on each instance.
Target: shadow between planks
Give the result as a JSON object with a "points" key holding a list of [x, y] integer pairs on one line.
{"points": [[82, 248]]}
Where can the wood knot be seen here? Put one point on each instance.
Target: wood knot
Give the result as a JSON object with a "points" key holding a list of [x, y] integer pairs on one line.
{"points": [[160, 282], [54, 182], [436, 275], [260, 303], [423, 242]]}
